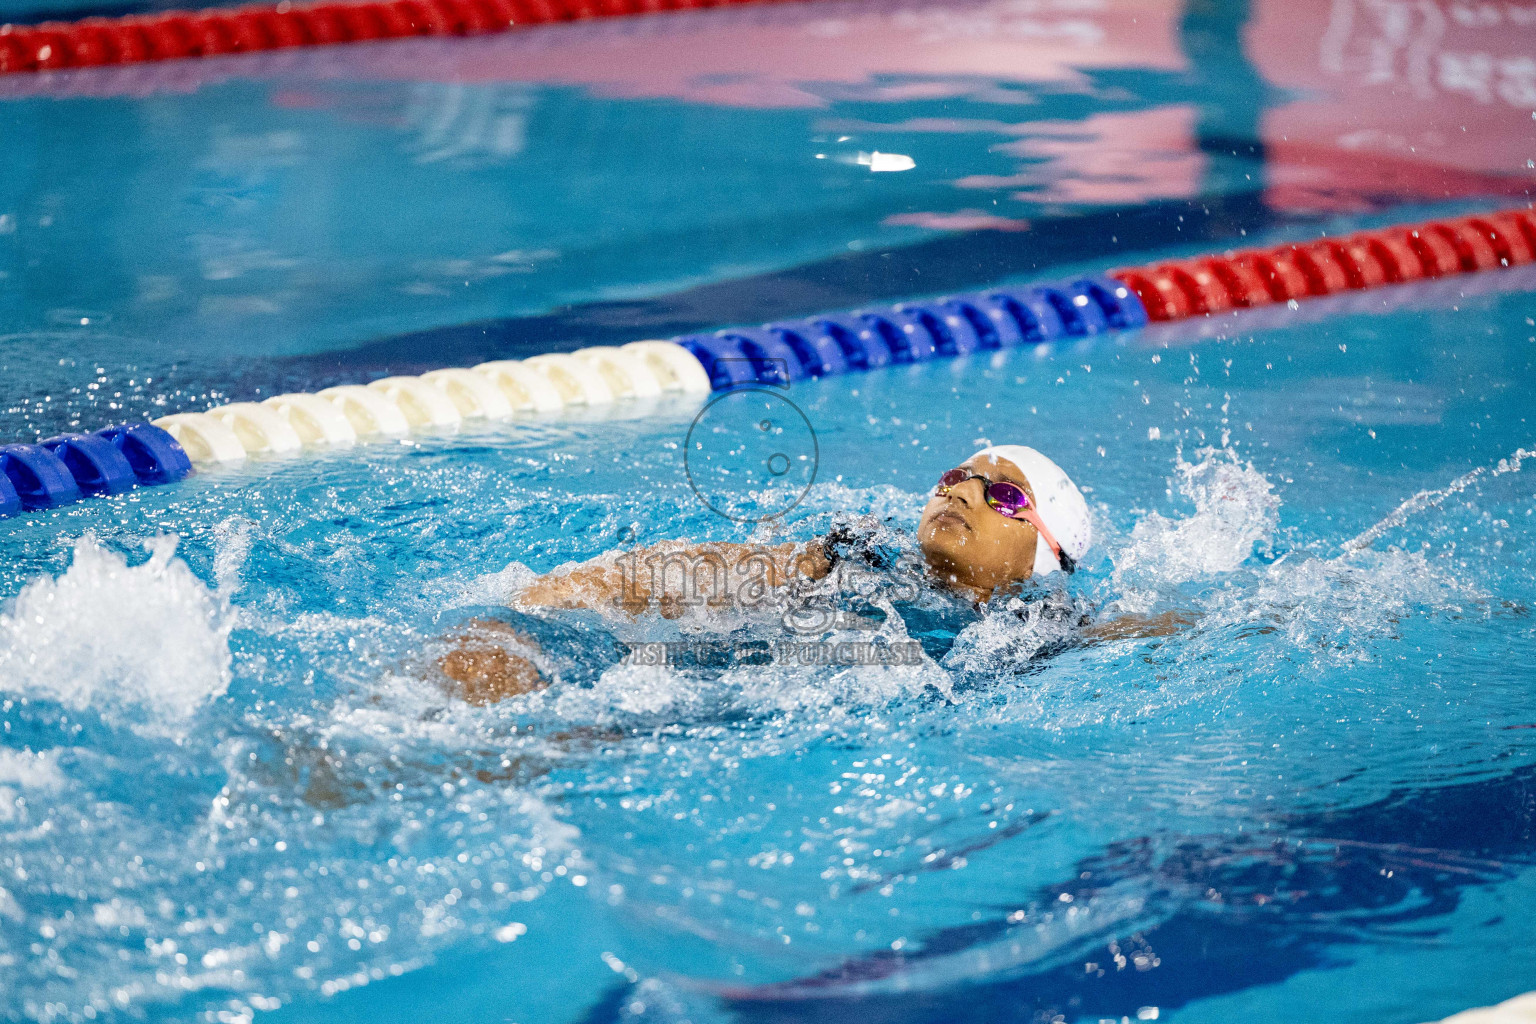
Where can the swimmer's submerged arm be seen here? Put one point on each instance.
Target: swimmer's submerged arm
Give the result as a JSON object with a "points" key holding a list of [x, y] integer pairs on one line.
{"points": [[672, 575], [489, 661], [1135, 626]]}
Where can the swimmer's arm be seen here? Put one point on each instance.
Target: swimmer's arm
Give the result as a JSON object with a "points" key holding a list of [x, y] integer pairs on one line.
{"points": [[1135, 626], [629, 582], [489, 661]]}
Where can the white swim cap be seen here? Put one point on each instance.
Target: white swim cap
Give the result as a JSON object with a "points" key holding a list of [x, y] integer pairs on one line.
{"points": [[1061, 505]]}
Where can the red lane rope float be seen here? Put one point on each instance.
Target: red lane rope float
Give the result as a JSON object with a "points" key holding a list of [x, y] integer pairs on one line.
{"points": [[93, 42], [1368, 259]]}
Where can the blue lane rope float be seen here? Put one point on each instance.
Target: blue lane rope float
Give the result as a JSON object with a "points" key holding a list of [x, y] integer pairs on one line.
{"points": [[95, 463], [10, 501], [40, 478], [914, 332], [153, 455], [65, 469]]}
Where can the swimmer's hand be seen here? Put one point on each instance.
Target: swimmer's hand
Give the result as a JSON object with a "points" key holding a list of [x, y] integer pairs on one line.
{"points": [[482, 670], [670, 576]]}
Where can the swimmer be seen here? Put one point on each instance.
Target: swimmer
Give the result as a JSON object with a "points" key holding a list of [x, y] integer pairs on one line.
{"points": [[1006, 515]]}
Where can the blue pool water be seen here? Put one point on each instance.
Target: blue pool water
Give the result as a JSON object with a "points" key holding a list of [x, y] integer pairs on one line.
{"points": [[230, 789], [241, 789]]}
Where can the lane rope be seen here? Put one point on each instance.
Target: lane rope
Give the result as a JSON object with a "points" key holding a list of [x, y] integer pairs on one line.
{"points": [[174, 35], [1330, 266], [68, 468], [440, 400]]}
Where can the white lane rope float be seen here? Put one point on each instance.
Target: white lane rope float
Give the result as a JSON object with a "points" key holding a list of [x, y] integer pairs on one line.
{"points": [[437, 400]]}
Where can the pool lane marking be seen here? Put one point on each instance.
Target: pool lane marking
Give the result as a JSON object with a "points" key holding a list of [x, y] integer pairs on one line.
{"points": [[174, 35], [66, 469], [437, 400]]}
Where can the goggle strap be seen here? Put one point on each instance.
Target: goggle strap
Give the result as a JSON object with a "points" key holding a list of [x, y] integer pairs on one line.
{"points": [[1067, 562]]}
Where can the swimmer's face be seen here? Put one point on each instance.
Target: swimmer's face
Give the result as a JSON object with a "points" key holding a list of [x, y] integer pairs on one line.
{"points": [[969, 546]]}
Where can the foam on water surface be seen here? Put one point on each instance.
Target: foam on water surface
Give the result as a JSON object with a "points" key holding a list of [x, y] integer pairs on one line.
{"points": [[149, 640], [1235, 508], [23, 775]]}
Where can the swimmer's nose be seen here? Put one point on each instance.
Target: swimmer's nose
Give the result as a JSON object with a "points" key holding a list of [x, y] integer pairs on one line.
{"points": [[970, 486]]}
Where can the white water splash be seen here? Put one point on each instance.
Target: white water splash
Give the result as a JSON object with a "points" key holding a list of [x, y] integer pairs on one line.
{"points": [[495, 587], [1012, 634], [849, 691], [789, 685], [233, 540], [1330, 608], [881, 501], [150, 638], [792, 679], [625, 690], [1432, 499], [1235, 508], [22, 771]]}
